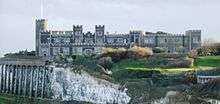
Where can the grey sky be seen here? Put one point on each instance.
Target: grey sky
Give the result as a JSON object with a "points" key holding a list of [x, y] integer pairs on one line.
{"points": [[17, 17]]}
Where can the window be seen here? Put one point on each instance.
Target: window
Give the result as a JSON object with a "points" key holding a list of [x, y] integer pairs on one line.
{"points": [[78, 41], [110, 40], [195, 40], [77, 33], [66, 50], [56, 50], [45, 39], [120, 40], [125, 40], [115, 40], [99, 33], [56, 40], [66, 40], [165, 40], [149, 40], [177, 40], [146, 41], [79, 50], [74, 50]]}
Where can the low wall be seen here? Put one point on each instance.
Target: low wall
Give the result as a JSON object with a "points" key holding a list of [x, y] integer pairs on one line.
{"points": [[205, 79]]}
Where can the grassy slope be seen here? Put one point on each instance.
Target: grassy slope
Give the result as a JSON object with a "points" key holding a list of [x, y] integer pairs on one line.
{"points": [[140, 65], [208, 61], [138, 86], [203, 63], [11, 99]]}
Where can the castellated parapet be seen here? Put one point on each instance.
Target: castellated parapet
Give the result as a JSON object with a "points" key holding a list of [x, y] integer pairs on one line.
{"points": [[50, 43]]}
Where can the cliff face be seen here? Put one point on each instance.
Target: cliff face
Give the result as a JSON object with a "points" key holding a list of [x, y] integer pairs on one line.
{"points": [[67, 85]]}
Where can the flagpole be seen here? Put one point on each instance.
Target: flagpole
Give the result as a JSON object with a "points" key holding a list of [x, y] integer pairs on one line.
{"points": [[41, 9]]}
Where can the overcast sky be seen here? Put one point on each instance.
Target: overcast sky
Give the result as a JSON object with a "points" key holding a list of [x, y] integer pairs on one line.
{"points": [[17, 17]]}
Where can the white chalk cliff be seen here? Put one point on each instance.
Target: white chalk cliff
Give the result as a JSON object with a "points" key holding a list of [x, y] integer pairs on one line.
{"points": [[67, 85]]}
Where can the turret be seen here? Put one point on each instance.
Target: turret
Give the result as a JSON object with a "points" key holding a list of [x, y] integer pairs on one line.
{"points": [[99, 34], [135, 37], [78, 33], [193, 39]]}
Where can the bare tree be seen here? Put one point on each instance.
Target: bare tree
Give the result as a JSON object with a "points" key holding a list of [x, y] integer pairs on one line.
{"points": [[208, 47]]}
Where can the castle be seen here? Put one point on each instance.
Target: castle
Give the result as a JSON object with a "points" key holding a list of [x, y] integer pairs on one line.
{"points": [[50, 43]]}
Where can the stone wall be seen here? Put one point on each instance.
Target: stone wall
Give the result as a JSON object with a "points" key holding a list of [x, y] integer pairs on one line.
{"points": [[25, 78]]}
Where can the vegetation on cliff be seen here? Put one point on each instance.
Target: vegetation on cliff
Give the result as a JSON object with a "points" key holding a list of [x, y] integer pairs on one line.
{"points": [[149, 76]]}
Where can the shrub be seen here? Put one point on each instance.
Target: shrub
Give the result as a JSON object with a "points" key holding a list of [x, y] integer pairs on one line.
{"points": [[193, 54], [169, 55], [160, 62], [190, 77], [158, 50], [115, 54], [121, 53], [139, 52], [60, 58], [105, 62], [187, 63], [77, 68], [108, 50], [212, 49], [133, 74]]}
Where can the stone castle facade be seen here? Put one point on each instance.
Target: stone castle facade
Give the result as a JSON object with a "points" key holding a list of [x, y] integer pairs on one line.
{"points": [[50, 43]]}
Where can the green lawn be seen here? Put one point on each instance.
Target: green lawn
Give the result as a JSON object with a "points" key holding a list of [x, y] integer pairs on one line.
{"points": [[135, 73], [128, 63], [202, 63], [167, 71], [171, 70], [12, 99], [208, 61], [141, 65]]}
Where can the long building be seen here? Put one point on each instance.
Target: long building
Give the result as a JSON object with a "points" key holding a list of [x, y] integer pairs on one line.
{"points": [[50, 43]]}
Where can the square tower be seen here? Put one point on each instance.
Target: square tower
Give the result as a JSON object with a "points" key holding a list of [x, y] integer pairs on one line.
{"points": [[193, 39], [78, 33], [40, 26], [99, 34], [135, 37]]}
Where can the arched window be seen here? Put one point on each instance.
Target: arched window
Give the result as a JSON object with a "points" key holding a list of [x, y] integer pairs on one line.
{"points": [[165, 40]]}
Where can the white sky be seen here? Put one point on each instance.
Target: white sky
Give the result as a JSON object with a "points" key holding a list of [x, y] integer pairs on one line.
{"points": [[17, 17]]}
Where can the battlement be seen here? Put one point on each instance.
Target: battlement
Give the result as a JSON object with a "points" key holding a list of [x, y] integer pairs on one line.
{"points": [[193, 31], [169, 34], [41, 25], [41, 20], [45, 32], [77, 26], [111, 34], [136, 32], [99, 26]]}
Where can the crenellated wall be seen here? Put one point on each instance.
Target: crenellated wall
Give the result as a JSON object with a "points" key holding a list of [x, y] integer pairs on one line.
{"points": [[31, 80], [50, 43]]}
